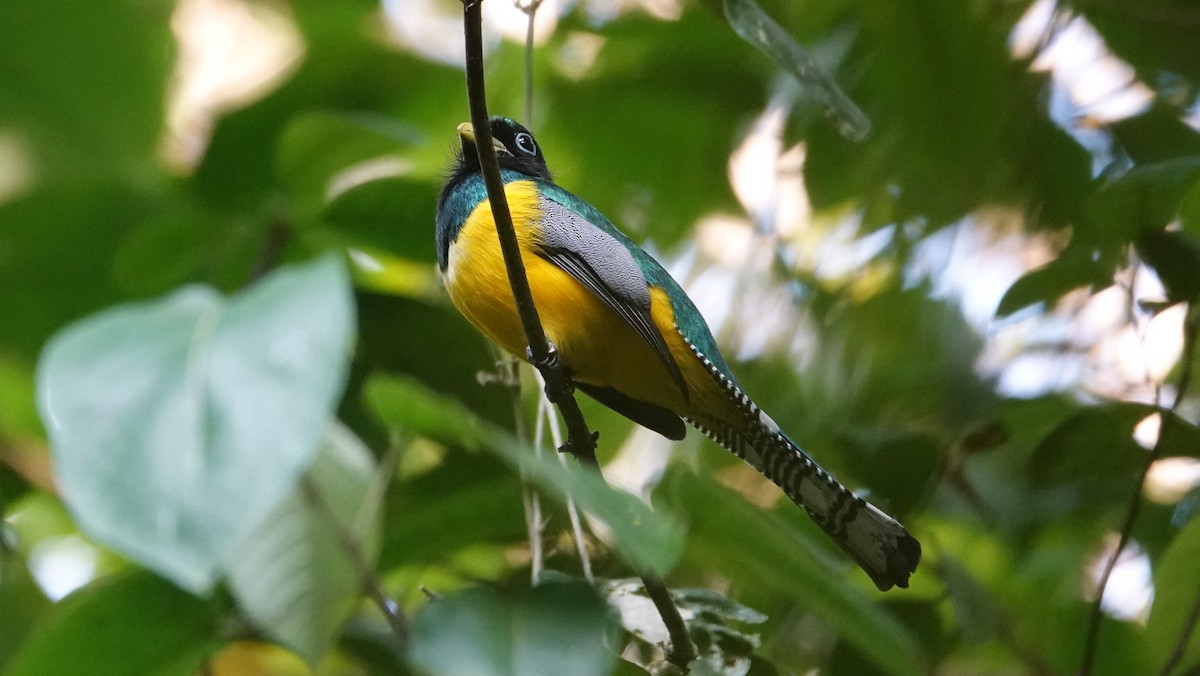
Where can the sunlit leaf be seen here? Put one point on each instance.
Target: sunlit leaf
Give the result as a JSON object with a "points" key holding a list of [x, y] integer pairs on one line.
{"points": [[176, 424]]}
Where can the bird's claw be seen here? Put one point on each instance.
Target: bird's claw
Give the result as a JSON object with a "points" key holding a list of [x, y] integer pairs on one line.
{"points": [[568, 447]]}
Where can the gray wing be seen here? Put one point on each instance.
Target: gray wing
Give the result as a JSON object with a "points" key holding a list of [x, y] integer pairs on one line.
{"points": [[602, 264]]}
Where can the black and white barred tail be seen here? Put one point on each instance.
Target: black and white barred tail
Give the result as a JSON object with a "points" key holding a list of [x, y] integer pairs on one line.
{"points": [[876, 541]]}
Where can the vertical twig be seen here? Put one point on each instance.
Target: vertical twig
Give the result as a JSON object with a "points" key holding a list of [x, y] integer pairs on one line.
{"points": [[546, 417], [531, 502], [530, 9], [581, 442], [1187, 360]]}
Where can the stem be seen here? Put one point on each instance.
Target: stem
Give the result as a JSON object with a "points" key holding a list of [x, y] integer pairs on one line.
{"points": [[531, 10], [546, 417], [1190, 328], [682, 651], [530, 499]]}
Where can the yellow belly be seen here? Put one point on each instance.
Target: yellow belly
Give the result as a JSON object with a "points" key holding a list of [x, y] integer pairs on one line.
{"points": [[593, 341]]}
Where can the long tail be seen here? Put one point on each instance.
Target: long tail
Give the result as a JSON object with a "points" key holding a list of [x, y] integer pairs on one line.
{"points": [[877, 542]]}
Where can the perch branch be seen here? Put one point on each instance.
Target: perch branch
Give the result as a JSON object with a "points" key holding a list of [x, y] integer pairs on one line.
{"points": [[581, 442]]}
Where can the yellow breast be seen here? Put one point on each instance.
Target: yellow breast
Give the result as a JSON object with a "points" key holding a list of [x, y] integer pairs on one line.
{"points": [[594, 342]]}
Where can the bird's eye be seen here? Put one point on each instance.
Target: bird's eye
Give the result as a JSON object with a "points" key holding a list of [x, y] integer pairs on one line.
{"points": [[525, 144]]}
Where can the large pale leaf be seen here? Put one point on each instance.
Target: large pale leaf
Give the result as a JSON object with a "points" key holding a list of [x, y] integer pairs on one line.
{"points": [[298, 574], [176, 424]]}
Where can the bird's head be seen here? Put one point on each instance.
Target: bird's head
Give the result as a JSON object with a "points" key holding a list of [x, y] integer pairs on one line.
{"points": [[515, 149]]}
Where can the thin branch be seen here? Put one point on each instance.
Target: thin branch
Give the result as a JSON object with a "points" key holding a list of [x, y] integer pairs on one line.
{"points": [[546, 417], [367, 575], [530, 499], [682, 651], [581, 442], [1187, 360], [530, 8]]}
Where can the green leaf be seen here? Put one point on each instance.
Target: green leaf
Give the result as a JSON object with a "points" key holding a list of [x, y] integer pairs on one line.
{"points": [[552, 629], [649, 539], [459, 504], [1175, 257], [1072, 269], [1177, 590], [295, 575], [755, 547], [753, 25], [321, 155], [176, 424], [132, 624], [92, 101], [1146, 197], [20, 597], [1095, 443], [977, 615]]}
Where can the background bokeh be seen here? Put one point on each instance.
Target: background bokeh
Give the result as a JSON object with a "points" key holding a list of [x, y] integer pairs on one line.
{"points": [[980, 315]]}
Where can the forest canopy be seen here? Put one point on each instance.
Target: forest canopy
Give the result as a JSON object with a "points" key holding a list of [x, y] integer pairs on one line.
{"points": [[953, 249]]}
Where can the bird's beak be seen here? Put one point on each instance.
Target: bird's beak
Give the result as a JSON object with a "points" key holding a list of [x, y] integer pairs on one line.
{"points": [[467, 133]]}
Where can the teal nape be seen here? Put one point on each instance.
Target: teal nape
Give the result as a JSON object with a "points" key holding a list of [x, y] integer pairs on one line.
{"points": [[629, 335]]}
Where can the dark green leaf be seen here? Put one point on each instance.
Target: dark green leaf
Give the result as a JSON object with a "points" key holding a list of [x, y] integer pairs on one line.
{"points": [[1097, 442], [91, 100], [322, 155], [131, 624], [1177, 592], [553, 629], [23, 602], [176, 424], [1175, 257], [649, 539], [1144, 198], [1071, 270]]}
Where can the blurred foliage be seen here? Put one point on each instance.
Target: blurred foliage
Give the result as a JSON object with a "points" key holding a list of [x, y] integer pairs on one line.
{"points": [[880, 372]]}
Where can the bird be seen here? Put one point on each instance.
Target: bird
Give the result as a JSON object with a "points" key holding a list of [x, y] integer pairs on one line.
{"points": [[628, 334]]}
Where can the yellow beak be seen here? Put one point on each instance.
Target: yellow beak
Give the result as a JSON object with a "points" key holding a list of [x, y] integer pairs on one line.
{"points": [[467, 133]]}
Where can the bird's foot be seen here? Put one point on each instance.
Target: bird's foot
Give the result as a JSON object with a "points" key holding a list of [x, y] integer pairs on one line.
{"points": [[558, 382], [589, 445]]}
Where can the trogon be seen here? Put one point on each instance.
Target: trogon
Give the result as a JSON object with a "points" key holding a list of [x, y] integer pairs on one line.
{"points": [[628, 334]]}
